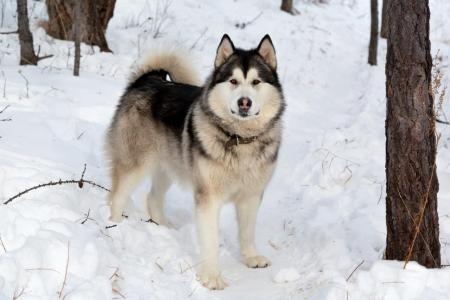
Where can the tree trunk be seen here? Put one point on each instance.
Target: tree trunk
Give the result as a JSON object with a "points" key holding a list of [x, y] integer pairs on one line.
{"points": [[94, 18], [373, 32], [286, 5], [76, 24], [27, 55], [412, 184], [384, 22]]}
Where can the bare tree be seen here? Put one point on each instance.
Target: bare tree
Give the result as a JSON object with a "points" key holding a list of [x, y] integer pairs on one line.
{"points": [[384, 26], [412, 184], [287, 6], [27, 55], [94, 18], [373, 45], [76, 24]]}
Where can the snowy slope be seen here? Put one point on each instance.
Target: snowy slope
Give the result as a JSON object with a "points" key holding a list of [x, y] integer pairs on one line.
{"points": [[323, 213]]}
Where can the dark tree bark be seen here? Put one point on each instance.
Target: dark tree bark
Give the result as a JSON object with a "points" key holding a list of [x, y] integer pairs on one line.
{"points": [[287, 6], [94, 18], [76, 24], [384, 22], [373, 45], [412, 184], [27, 55]]}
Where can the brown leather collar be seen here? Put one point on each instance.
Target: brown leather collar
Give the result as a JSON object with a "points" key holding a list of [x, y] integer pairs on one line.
{"points": [[236, 140]]}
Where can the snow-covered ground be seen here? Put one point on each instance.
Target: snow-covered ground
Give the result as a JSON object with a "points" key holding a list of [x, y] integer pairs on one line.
{"points": [[323, 213]]}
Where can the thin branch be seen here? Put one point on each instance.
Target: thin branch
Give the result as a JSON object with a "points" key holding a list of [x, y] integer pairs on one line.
{"points": [[87, 215], [42, 269], [245, 24], [414, 223], [118, 293], [442, 122], [17, 294], [150, 220], [196, 41], [354, 270], [79, 182], [421, 212], [10, 32], [44, 57], [26, 82], [1, 111], [3, 244], [65, 273]]}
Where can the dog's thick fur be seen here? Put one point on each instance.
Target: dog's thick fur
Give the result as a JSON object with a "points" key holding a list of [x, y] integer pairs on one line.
{"points": [[203, 136]]}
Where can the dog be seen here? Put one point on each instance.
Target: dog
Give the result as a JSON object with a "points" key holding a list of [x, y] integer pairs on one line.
{"points": [[221, 138]]}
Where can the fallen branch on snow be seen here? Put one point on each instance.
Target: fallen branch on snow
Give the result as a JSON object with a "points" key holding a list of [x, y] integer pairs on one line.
{"points": [[79, 182]]}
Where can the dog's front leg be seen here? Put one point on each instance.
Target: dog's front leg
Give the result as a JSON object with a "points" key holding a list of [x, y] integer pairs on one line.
{"points": [[247, 210], [207, 214]]}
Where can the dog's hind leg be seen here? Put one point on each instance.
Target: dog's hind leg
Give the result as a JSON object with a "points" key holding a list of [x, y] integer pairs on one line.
{"points": [[247, 210], [155, 199], [124, 181]]}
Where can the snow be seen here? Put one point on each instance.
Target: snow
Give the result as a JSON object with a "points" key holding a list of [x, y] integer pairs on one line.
{"points": [[286, 275], [323, 213]]}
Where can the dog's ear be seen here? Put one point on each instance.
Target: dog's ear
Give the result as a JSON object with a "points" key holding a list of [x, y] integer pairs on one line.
{"points": [[224, 51], [267, 52]]}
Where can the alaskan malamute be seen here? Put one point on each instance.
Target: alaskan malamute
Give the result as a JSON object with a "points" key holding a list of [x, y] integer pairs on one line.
{"points": [[221, 138]]}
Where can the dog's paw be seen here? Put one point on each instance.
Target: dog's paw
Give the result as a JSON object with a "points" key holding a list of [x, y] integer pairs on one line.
{"points": [[212, 282], [257, 261]]}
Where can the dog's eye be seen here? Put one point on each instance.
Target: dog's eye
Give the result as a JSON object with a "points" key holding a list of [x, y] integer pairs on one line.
{"points": [[256, 81], [233, 81]]}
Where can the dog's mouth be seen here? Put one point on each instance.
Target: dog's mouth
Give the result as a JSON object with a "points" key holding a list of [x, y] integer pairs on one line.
{"points": [[244, 114]]}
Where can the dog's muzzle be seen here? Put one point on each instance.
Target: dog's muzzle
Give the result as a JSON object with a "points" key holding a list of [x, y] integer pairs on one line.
{"points": [[244, 105]]}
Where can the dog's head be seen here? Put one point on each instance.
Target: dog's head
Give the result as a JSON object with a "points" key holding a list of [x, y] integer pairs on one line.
{"points": [[244, 87]]}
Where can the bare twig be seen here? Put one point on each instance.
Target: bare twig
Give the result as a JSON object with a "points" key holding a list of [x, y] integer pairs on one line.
{"points": [[3, 244], [159, 266], [81, 134], [421, 214], [413, 221], [118, 293], [65, 272], [42, 269], [196, 41], [1, 111], [79, 182], [354, 270], [26, 81], [381, 193], [160, 17], [190, 267], [44, 57], [150, 220], [4, 88], [18, 294], [442, 122], [10, 32], [245, 24], [87, 216], [115, 274]]}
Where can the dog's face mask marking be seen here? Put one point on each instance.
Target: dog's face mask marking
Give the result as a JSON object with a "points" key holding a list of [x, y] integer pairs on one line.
{"points": [[245, 84]]}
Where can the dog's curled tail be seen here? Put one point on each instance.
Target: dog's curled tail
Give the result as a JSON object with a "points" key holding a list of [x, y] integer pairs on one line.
{"points": [[174, 61]]}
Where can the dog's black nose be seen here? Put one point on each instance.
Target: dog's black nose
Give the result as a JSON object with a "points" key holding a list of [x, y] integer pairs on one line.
{"points": [[244, 105]]}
